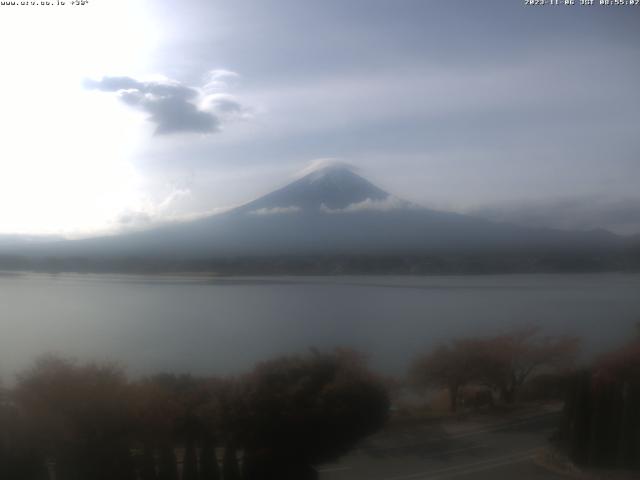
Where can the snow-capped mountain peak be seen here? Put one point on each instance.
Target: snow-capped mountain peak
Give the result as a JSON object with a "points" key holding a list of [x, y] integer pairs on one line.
{"points": [[333, 187]]}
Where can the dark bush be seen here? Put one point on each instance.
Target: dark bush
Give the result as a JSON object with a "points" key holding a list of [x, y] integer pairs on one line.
{"points": [[306, 410]]}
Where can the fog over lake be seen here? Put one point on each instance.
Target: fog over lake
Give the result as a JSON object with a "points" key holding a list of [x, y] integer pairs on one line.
{"points": [[225, 325]]}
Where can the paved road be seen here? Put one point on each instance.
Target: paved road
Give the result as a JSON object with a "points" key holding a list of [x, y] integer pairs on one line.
{"points": [[503, 450]]}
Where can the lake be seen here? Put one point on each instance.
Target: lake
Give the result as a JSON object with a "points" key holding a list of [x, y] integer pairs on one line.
{"points": [[224, 325]]}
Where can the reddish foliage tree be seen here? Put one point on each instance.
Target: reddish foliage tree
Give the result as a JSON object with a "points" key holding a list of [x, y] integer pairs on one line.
{"points": [[20, 459], [512, 358], [602, 421], [154, 412], [82, 417], [622, 365], [304, 410], [503, 362], [450, 366], [179, 409]]}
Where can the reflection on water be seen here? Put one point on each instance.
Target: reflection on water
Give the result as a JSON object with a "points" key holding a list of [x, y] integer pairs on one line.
{"points": [[225, 325]]}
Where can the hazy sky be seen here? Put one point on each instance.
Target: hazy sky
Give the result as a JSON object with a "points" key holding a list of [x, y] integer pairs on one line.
{"points": [[122, 112]]}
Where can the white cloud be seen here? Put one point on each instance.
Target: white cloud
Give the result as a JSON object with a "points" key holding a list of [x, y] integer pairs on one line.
{"points": [[217, 79], [322, 163], [148, 212], [369, 205], [173, 196], [275, 210]]}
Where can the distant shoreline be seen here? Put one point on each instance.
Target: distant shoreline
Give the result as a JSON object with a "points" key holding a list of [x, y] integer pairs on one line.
{"points": [[300, 265]]}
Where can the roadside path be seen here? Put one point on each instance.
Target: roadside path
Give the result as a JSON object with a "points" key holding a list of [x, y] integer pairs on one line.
{"points": [[473, 449]]}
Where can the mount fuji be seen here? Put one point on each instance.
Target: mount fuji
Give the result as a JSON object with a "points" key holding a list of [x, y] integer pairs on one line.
{"points": [[331, 212]]}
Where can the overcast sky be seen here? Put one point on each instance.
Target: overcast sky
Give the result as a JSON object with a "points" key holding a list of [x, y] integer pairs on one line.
{"points": [[122, 112]]}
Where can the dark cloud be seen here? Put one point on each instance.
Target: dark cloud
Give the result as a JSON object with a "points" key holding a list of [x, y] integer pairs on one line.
{"points": [[227, 105], [170, 104]]}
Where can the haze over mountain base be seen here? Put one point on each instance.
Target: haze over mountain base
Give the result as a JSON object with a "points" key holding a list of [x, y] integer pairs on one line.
{"points": [[332, 221]]}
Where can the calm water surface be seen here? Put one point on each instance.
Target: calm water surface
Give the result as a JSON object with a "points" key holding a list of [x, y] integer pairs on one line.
{"points": [[225, 325]]}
